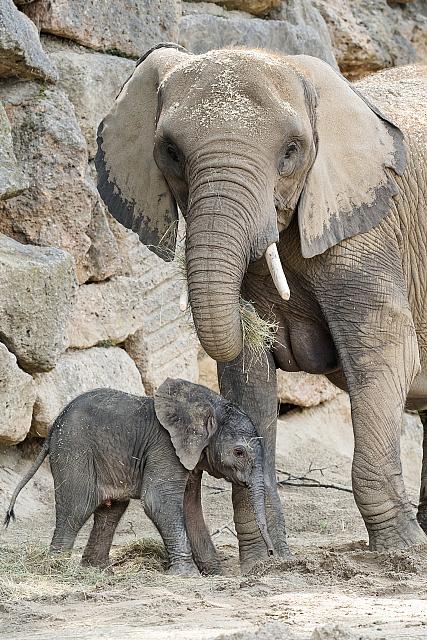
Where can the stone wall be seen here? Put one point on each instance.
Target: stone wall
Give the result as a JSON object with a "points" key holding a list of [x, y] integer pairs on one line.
{"points": [[368, 35], [82, 302]]}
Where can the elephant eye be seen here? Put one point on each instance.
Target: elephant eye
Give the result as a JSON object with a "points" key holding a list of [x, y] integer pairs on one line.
{"points": [[291, 149], [287, 160], [172, 152], [238, 452]]}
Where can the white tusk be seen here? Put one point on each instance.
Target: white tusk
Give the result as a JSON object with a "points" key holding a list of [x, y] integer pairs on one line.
{"points": [[183, 298], [277, 273]]}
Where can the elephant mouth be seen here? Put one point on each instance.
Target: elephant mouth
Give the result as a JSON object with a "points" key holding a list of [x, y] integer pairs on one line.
{"points": [[276, 271]]}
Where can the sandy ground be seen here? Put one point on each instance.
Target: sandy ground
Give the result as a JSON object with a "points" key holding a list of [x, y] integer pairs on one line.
{"points": [[332, 579]]}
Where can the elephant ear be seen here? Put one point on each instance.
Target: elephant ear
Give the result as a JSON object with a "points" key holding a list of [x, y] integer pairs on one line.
{"points": [[185, 410], [129, 181], [350, 185]]}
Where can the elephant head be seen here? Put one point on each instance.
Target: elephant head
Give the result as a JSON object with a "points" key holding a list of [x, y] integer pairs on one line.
{"points": [[213, 434], [242, 141]]}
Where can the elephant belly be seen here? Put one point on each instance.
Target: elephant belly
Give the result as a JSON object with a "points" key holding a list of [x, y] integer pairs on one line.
{"points": [[305, 347]]}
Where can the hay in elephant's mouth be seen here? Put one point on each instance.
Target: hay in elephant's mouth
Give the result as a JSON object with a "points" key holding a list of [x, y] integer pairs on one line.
{"points": [[259, 333]]}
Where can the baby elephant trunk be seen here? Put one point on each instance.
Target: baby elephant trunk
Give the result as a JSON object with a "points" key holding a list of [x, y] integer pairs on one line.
{"points": [[257, 494]]}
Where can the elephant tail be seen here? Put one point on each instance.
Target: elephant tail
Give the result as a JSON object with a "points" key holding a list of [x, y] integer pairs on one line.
{"points": [[10, 513]]}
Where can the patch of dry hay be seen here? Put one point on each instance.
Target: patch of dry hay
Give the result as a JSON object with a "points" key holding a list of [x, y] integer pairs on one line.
{"points": [[148, 555], [30, 572]]}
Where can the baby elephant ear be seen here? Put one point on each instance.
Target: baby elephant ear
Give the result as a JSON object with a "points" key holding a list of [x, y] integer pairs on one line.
{"points": [[186, 411]]}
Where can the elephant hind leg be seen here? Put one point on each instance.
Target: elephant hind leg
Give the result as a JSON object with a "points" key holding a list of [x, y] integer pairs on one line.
{"points": [[69, 521], [105, 521], [202, 547], [422, 507]]}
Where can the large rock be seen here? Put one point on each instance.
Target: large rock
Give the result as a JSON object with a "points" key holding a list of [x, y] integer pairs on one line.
{"points": [[11, 180], [165, 343], [165, 351], [108, 312], [415, 15], [103, 260], [368, 35], [91, 81], [78, 372], [56, 208], [126, 26], [293, 33], [256, 7], [36, 292], [212, 9], [304, 389], [17, 395], [21, 54]]}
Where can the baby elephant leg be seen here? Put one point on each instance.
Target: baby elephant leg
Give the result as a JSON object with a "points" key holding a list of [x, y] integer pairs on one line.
{"points": [[70, 517], [163, 502], [203, 549], [105, 521]]}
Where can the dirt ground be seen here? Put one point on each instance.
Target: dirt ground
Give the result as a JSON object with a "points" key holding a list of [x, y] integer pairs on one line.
{"points": [[332, 589]]}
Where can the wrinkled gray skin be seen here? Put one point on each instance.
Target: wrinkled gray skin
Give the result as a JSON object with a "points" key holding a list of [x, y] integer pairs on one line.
{"points": [[256, 149], [107, 447]]}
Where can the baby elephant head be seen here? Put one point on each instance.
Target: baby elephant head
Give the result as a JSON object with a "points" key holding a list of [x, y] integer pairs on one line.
{"points": [[209, 432]]}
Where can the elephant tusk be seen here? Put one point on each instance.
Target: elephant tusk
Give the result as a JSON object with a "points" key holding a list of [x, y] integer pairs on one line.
{"points": [[277, 273], [183, 298]]}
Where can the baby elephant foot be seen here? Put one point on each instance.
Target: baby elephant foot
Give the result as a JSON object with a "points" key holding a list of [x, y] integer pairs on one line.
{"points": [[183, 569]]}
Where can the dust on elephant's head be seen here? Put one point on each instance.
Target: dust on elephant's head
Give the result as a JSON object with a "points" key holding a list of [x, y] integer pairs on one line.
{"points": [[242, 141]]}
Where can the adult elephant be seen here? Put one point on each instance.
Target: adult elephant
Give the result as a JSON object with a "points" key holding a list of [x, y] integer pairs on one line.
{"points": [[260, 151]]}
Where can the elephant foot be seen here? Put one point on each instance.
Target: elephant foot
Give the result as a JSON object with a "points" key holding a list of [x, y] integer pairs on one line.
{"points": [[187, 569], [251, 553], [403, 533], [210, 568], [252, 547]]}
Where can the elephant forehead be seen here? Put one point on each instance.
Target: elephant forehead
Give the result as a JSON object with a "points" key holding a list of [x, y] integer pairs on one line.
{"points": [[226, 87]]}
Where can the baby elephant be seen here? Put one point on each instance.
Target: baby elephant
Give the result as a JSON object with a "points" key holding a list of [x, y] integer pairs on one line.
{"points": [[107, 447]]}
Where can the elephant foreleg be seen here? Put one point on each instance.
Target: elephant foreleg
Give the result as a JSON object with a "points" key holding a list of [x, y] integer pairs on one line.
{"points": [[379, 356], [162, 496], [422, 507], [252, 386]]}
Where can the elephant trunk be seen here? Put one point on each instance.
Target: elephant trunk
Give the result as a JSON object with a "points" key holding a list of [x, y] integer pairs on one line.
{"points": [[231, 221], [217, 256], [257, 496]]}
